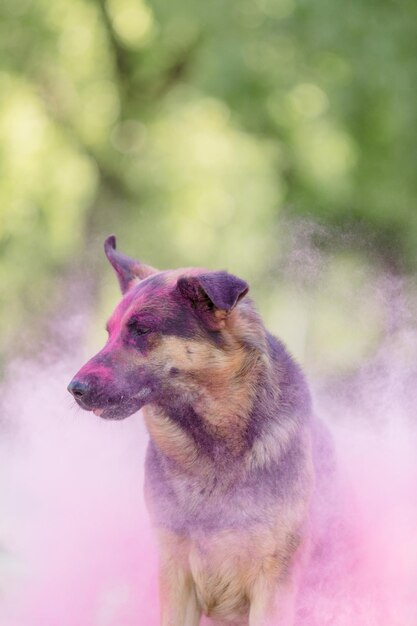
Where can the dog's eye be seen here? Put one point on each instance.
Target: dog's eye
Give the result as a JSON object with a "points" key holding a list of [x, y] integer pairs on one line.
{"points": [[142, 331], [137, 329]]}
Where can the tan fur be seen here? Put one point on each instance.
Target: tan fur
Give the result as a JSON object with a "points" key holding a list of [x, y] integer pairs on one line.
{"points": [[230, 572], [218, 381], [178, 599], [170, 438]]}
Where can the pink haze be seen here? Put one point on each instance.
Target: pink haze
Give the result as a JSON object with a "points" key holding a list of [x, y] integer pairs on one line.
{"points": [[76, 548]]}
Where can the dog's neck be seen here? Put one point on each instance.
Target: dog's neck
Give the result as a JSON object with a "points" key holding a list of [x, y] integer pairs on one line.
{"points": [[213, 427]]}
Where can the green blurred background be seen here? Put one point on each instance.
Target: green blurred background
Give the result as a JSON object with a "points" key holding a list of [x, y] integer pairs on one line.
{"points": [[273, 138]]}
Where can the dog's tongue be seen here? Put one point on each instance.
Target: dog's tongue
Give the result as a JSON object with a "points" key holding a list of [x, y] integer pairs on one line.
{"points": [[98, 411]]}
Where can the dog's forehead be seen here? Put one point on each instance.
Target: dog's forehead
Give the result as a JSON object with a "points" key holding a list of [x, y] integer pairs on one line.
{"points": [[150, 293], [154, 285], [151, 288]]}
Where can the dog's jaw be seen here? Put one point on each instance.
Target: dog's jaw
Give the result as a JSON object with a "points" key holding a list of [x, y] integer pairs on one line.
{"points": [[123, 409]]}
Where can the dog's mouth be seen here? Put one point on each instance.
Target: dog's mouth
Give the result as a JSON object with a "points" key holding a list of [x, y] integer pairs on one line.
{"points": [[121, 409]]}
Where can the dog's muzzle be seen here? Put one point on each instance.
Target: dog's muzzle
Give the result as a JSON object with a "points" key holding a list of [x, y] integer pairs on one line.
{"points": [[118, 405]]}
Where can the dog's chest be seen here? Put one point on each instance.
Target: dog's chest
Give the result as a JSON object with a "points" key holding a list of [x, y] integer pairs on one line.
{"points": [[223, 499], [185, 503]]}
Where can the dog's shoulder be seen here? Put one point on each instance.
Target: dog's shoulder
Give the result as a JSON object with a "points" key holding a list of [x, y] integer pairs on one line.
{"points": [[281, 414]]}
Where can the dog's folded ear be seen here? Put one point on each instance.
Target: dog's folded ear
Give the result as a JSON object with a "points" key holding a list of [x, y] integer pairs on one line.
{"points": [[129, 271], [213, 295]]}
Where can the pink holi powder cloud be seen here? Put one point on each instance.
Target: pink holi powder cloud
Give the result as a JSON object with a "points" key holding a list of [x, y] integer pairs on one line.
{"points": [[77, 527], [77, 545]]}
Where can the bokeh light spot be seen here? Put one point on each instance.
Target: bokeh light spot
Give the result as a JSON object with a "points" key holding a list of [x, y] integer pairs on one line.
{"points": [[132, 20], [309, 100]]}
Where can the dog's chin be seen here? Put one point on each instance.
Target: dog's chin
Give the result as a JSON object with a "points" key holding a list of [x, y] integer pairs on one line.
{"points": [[121, 410], [117, 412]]}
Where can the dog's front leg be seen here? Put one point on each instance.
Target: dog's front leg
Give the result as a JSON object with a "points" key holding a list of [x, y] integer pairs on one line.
{"points": [[179, 606], [274, 592], [178, 600], [272, 605]]}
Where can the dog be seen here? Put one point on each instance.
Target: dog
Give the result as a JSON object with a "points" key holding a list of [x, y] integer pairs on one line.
{"points": [[230, 471]]}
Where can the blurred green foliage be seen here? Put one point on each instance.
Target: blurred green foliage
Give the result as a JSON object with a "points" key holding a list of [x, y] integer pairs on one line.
{"points": [[199, 132]]}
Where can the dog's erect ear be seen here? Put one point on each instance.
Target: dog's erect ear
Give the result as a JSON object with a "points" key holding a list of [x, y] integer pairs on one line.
{"points": [[213, 295], [129, 271]]}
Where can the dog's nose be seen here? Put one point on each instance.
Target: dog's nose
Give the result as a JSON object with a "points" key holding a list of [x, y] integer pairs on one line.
{"points": [[78, 389]]}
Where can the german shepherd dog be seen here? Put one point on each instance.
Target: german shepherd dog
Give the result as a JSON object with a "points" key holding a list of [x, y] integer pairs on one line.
{"points": [[229, 466]]}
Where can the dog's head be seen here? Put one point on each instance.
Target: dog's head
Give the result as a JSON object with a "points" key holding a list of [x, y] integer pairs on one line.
{"points": [[172, 333]]}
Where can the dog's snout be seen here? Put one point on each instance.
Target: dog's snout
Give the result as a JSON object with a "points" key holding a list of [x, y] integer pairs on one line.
{"points": [[78, 389]]}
